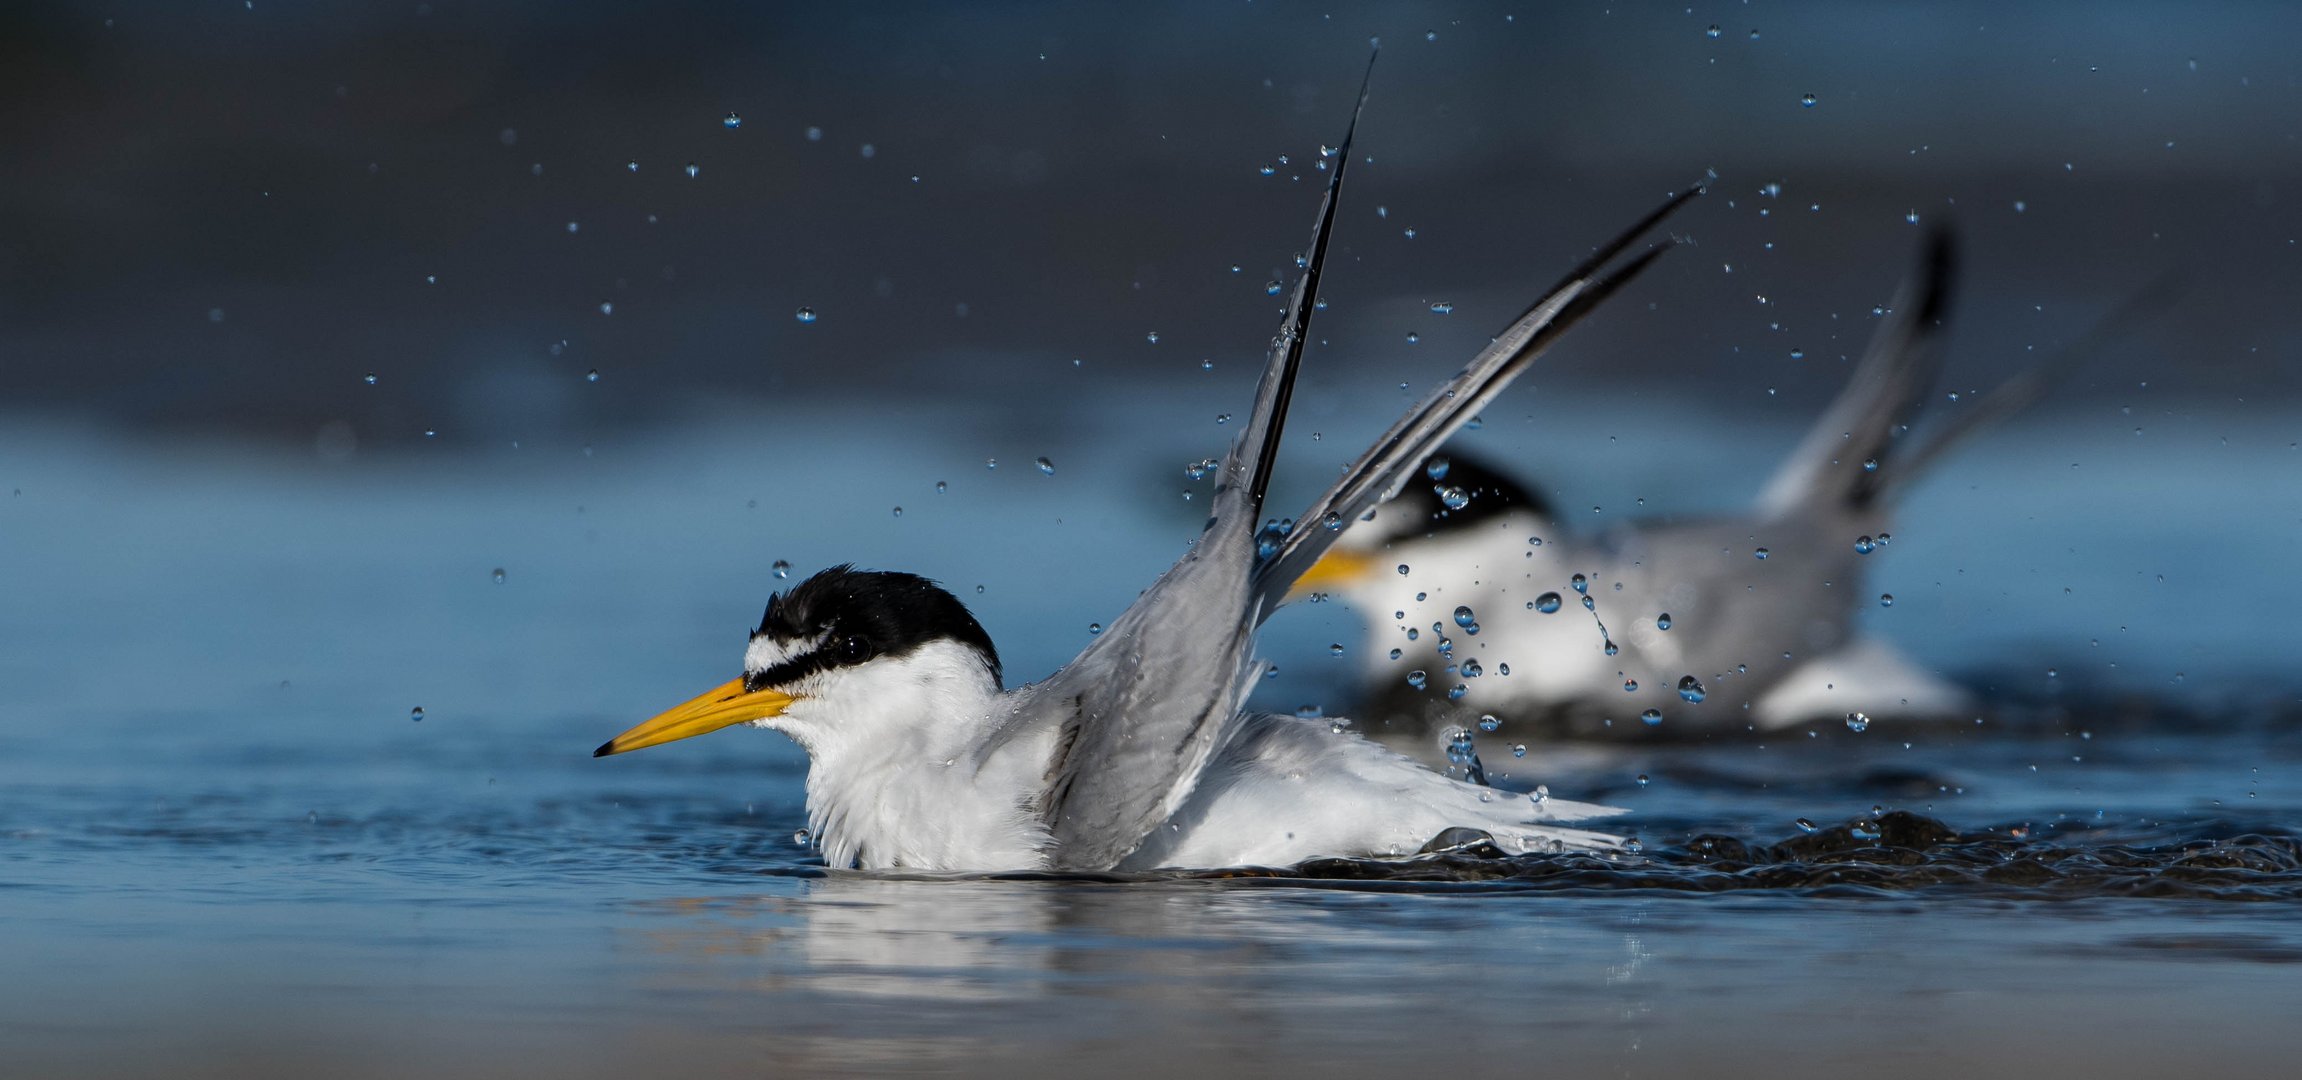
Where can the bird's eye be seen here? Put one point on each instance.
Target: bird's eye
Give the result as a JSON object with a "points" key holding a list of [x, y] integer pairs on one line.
{"points": [[854, 647]]}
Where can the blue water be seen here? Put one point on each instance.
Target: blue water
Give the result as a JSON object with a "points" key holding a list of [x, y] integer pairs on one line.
{"points": [[226, 848]]}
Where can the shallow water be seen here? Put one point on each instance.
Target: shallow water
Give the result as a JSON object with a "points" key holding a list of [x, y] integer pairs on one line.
{"points": [[226, 847]]}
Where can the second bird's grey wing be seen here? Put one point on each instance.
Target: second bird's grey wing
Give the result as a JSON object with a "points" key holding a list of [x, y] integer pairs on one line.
{"points": [[1139, 714], [1846, 456], [1386, 467]]}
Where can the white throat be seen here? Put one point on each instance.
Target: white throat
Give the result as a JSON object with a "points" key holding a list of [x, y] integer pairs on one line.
{"points": [[895, 778]]}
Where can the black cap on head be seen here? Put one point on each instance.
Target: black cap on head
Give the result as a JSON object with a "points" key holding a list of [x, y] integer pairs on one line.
{"points": [[1484, 494], [861, 615]]}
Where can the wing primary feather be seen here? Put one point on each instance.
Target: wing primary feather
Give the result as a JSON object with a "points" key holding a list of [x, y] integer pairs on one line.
{"points": [[1886, 389], [1143, 709], [1295, 332], [1386, 466]]}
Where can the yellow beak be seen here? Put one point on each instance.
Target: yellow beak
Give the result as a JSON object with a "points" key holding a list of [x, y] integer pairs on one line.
{"points": [[722, 705], [1333, 570]]}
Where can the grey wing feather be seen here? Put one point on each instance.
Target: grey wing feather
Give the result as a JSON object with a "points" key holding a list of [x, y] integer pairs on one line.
{"points": [[1386, 467], [1889, 383], [1145, 707]]}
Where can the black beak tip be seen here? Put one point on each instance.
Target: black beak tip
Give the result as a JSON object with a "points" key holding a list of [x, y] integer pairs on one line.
{"points": [[605, 749]]}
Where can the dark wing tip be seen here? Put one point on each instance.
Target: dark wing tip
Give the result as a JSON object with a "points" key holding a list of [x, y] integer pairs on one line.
{"points": [[1940, 274]]}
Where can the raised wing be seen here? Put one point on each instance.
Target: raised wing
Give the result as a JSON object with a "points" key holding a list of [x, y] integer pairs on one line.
{"points": [[1386, 467], [1848, 454], [1144, 708]]}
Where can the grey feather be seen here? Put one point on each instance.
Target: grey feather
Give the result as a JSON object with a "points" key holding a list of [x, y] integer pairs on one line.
{"points": [[1141, 712], [1849, 450], [1158, 694]]}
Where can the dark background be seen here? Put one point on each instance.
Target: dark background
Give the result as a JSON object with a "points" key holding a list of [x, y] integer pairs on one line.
{"points": [[221, 217]]}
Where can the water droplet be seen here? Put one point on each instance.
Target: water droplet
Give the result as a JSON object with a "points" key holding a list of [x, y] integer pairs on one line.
{"points": [[898, 511], [1691, 689], [1443, 308], [607, 307], [1418, 678], [732, 121], [1395, 654], [1464, 616], [1402, 569], [1222, 418], [632, 165], [1870, 465], [1653, 717], [1272, 287], [1502, 669], [498, 574], [1548, 603], [1413, 337], [1471, 668], [1663, 621], [692, 171], [1454, 498], [1761, 553], [802, 838], [806, 314], [1518, 749], [1857, 722], [1886, 599], [1804, 825], [1806, 100], [1642, 776], [1630, 686], [416, 714], [1863, 545], [1455, 692], [1045, 466], [1911, 217], [1712, 32], [1582, 584], [1333, 521], [592, 375], [1152, 337], [1094, 628], [991, 463], [369, 378], [780, 568], [1335, 649]]}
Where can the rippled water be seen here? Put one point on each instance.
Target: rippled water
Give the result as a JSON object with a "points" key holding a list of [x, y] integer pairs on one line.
{"points": [[227, 848]]}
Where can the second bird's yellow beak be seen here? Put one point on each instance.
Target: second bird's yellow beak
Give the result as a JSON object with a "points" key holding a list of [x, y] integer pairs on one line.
{"points": [[1333, 570]]}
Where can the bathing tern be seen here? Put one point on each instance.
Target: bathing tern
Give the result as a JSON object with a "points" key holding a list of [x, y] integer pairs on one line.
{"points": [[1139, 753], [1486, 608]]}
